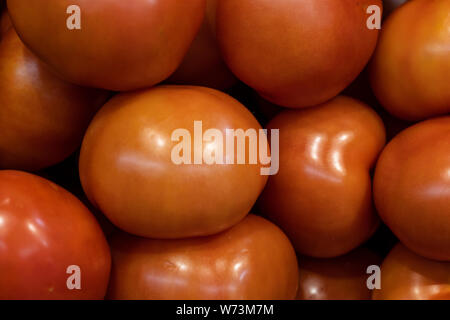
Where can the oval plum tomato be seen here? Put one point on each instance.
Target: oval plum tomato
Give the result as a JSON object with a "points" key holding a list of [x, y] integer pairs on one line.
{"points": [[296, 53], [407, 276], [203, 65], [412, 188], [128, 169], [322, 195], [410, 71], [121, 45], [252, 260], [342, 278], [44, 230], [42, 118]]}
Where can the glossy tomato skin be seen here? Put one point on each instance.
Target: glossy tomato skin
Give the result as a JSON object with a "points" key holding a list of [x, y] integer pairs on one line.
{"points": [[322, 195], [341, 278], [410, 71], [42, 118], [412, 188], [296, 53], [122, 45], [43, 231], [203, 64], [127, 169], [252, 260], [407, 276]]}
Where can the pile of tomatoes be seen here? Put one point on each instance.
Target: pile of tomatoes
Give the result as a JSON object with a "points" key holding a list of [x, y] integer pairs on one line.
{"points": [[114, 182]]}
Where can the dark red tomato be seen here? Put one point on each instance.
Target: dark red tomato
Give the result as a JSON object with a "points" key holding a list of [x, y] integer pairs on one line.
{"points": [[410, 71], [128, 171], [407, 276], [342, 278], [296, 53], [252, 260], [322, 195], [42, 118], [203, 65], [122, 45], [43, 230], [412, 188]]}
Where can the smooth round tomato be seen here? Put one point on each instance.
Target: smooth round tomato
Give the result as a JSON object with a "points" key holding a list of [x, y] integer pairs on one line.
{"points": [[122, 45], [322, 195], [410, 71], [203, 65], [128, 170], [296, 53], [342, 278], [412, 188], [43, 231], [407, 276], [252, 260], [42, 118]]}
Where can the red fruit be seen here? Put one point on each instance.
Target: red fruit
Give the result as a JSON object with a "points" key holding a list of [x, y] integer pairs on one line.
{"points": [[44, 230]]}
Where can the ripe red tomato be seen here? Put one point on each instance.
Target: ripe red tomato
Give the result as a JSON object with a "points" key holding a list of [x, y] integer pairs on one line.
{"points": [[127, 169], [122, 45], [407, 276], [342, 278], [296, 53], [410, 71], [42, 118], [412, 188], [203, 65], [322, 196], [252, 260], [43, 231]]}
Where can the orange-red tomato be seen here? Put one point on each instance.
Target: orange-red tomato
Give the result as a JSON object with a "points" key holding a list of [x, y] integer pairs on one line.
{"points": [[128, 172], [412, 188], [203, 65], [296, 53], [252, 260], [410, 71], [342, 278], [44, 230], [322, 195], [122, 45], [407, 276], [42, 118]]}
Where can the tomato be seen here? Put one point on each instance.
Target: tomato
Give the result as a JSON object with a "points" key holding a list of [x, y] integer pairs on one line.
{"points": [[407, 276], [128, 171], [410, 71], [322, 195], [342, 278], [203, 64], [42, 118], [44, 230], [296, 53], [412, 188], [252, 260], [122, 45]]}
